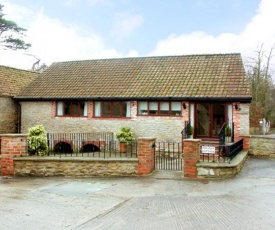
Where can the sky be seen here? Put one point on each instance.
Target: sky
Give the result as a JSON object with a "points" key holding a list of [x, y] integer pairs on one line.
{"points": [[65, 30]]}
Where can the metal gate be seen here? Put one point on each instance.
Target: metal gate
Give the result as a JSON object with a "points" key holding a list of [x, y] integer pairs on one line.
{"points": [[168, 156]]}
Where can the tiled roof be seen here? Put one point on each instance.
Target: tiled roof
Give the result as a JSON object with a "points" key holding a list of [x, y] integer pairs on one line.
{"points": [[13, 80], [190, 76]]}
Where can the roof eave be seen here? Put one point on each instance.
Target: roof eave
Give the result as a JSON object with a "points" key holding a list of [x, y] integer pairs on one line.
{"points": [[169, 98]]}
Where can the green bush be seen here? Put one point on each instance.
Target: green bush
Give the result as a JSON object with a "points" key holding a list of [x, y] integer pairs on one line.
{"points": [[189, 129], [125, 135], [37, 140], [227, 131]]}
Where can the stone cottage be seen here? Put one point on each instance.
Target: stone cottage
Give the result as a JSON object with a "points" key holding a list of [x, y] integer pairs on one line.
{"points": [[12, 81], [155, 96]]}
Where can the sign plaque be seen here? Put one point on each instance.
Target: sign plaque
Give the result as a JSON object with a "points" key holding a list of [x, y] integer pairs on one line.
{"points": [[208, 149]]}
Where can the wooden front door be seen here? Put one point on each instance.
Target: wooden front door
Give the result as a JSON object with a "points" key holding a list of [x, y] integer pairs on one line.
{"points": [[209, 118]]}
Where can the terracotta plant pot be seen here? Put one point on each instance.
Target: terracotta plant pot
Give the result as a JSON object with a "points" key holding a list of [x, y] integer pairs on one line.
{"points": [[122, 147]]}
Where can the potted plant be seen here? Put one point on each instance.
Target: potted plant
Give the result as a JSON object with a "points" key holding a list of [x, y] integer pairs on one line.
{"points": [[37, 140], [124, 136], [189, 131], [227, 134]]}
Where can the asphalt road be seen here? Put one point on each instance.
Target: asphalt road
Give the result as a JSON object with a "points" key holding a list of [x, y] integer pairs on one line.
{"points": [[163, 200]]}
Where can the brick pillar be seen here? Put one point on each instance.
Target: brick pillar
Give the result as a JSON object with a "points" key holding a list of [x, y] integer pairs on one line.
{"points": [[246, 142], [191, 157], [12, 145], [146, 155], [237, 123]]}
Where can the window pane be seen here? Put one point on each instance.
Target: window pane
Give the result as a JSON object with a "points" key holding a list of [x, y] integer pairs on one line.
{"points": [[126, 109], [116, 109], [230, 115], [153, 107], [164, 108], [67, 108], [106, 109], [83, 109], [192, 114], [85, 112], [142, 107], [75, 109], [98, 109], [176, 108], [59, 108]]}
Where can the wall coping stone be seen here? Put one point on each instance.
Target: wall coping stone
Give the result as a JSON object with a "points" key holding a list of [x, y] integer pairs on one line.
{"points": [[263, 136], [234, 163], [192, 140], [146, 138], [76, 159], [13, 135]]}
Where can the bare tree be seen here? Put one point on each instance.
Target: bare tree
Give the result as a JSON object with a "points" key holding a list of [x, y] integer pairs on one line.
{"points": [[260, 75]]}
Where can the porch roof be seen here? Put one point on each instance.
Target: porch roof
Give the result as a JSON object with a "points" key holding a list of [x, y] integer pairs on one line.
{"points": [[193, 77]]}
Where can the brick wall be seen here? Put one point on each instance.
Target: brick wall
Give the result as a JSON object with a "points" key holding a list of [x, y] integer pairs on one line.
{"points": [[146, 155], [12, 145], [8, 115], [241, 120]]}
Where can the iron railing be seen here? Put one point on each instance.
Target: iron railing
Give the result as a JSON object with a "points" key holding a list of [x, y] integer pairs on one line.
{"points": [[228, 152], [221, 138], [168, 156], [77, 147], [234, 149], [106, 136]]}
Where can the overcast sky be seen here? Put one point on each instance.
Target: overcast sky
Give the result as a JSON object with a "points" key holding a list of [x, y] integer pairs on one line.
{"points": [[62, 30]]}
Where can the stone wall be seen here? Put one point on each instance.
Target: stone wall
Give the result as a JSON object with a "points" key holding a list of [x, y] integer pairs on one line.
{"points": [[75, 167], [163, 128], [194, 168], [8, 115], [221, 170], [262, 146], [14, 161]]}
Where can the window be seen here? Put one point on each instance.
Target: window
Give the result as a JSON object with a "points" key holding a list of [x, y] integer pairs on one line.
{"points": [[163, 108], [72, 109], [115, 109]]}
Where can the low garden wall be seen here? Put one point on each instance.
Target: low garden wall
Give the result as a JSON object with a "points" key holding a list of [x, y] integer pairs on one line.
{"points": [[15, 161], [262, 146], [222, 170], [75, 167]]}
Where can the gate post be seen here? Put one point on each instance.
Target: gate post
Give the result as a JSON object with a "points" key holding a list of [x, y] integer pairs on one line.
{"points": [[246, 142], [12, 145], [191, 152], [146, 155]]}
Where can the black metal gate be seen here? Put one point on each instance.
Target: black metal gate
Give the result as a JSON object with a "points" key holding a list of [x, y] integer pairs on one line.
{"points": [[168, 156]]}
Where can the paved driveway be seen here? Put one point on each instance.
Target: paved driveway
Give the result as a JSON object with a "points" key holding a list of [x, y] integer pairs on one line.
{"points": [[161, 201]]}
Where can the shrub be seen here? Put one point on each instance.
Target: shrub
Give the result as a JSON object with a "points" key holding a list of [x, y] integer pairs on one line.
{"points": [[227, 131], [37, 140], [125, 135], [189, 129]]}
